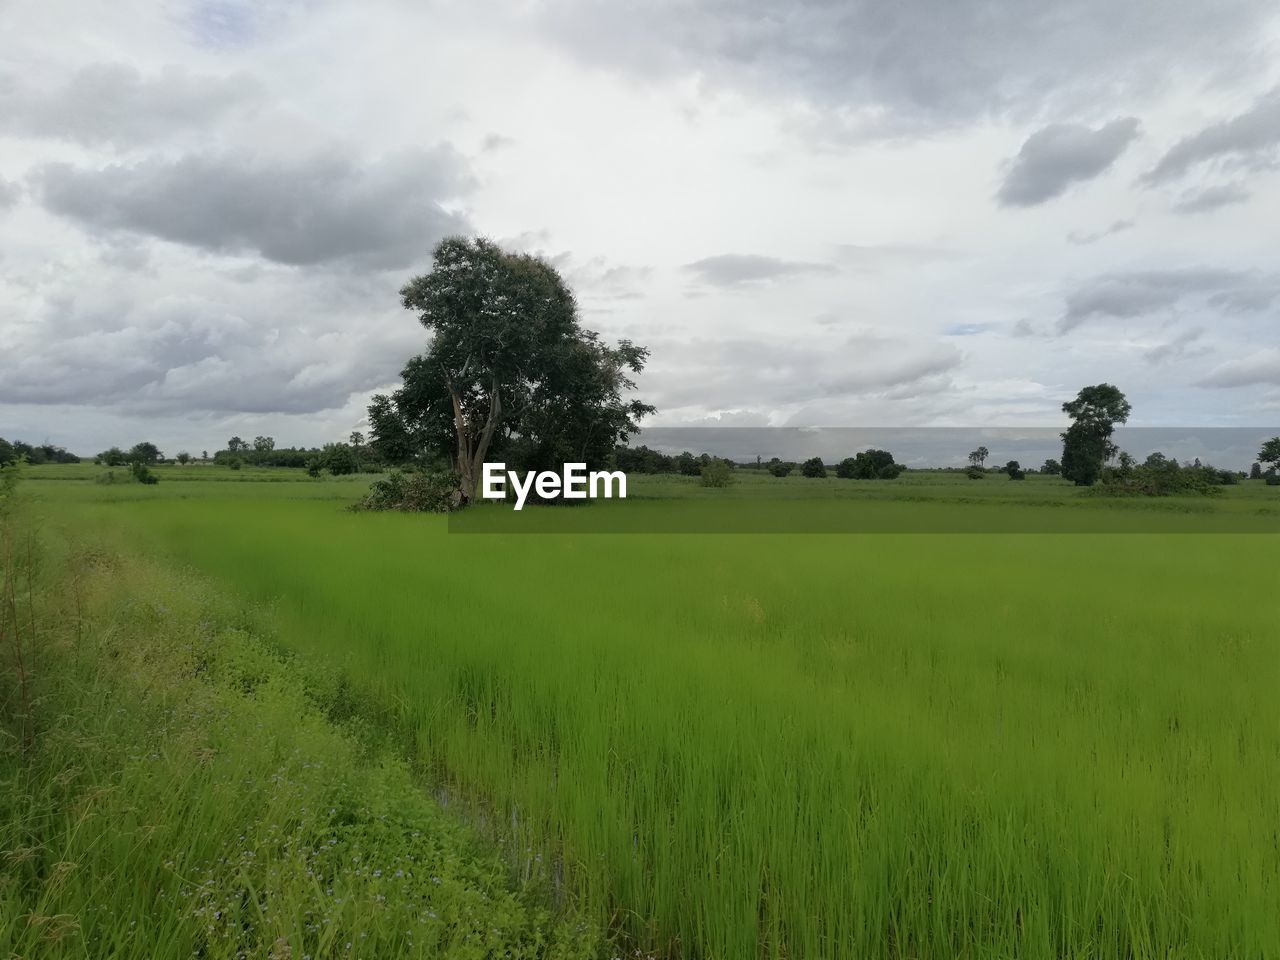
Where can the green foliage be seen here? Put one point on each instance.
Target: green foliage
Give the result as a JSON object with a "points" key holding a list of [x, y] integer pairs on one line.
{"points": [[1270, 453], [36, 455], [717, 473], [979, 457], [144, 452], [235, 463], [339, 459], [813, 467], [1255, 472], [869, 465], [183, 457], [418, 492], [780, 468], [142, 473], [1014, 470], [1051, 468], [641, 459], [509, 373], [1086, 445], [1161, 476], [975, 472]]}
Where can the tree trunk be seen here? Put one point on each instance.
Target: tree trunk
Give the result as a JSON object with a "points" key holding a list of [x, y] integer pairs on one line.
{"points": [[472, 450]]}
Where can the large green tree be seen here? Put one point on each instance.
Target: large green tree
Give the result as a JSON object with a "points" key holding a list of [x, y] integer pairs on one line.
{"points": [[509, 373], [1086, 444]]}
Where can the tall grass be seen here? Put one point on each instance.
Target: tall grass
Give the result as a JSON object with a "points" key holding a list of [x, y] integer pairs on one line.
{"points": [[808, 746], [187, 794]]}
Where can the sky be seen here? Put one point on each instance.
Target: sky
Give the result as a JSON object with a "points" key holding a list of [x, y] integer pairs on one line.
{"points": [[926, 213]]}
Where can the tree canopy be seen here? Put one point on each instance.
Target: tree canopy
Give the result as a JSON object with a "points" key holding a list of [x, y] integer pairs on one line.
{"points": [[508, 374]]}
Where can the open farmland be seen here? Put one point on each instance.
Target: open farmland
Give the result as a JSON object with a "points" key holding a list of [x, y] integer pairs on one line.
{"points": [[797, 745]]}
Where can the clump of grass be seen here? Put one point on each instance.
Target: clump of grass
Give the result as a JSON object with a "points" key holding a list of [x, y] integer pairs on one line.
{"points": [[186, 797]]}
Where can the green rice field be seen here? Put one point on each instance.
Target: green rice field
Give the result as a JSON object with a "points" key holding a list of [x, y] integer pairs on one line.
{"points": [[1014, 744]]}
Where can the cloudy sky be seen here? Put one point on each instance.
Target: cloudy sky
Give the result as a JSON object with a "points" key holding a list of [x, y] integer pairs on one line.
{"points": [[868, 212]]}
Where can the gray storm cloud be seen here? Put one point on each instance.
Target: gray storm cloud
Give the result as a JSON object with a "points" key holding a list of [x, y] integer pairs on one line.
{"points": [[902, 63], [1250, 137], [115, 103], [1120, 296], [318, 209], [1061, 155]]}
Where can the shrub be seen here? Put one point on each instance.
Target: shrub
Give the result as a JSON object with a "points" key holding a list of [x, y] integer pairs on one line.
{"points": [[424, 492], [235, 463], [1160, 476], [142, 473], [1014, 469], [975, 473], [813, 467], [716, 473], [779, 468]]}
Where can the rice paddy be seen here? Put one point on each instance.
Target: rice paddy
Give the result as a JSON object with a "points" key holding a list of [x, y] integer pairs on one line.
{"points": [[800, 745]]}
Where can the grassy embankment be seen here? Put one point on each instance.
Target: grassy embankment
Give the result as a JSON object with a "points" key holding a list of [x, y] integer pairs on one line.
{"points": [[926, 745]]}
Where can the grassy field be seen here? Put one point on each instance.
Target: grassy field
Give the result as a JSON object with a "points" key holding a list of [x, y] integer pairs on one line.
{"points": [[924, 745]]}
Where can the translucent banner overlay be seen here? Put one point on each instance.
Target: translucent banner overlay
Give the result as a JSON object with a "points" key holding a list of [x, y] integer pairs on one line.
{"points": [[933, 495]]}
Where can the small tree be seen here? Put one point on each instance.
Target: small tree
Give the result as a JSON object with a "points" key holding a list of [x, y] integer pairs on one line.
{"points": [[204, 455], [339, 459], [975, 472], [1051, 468], [236, 445], [978, 458], [113, 457], [145, 452], [1014, 470], [264, 444], [183, 457], [1255, 472], [813, 467], [780, 468], [1270, 453], [716, 473]]}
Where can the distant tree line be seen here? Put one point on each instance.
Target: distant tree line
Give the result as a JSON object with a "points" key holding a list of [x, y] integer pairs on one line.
{"points": [[12, 451]]}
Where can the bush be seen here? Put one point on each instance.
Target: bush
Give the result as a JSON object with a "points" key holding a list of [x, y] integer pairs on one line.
{"points": [[716, 473], [424, 492], [1161, 476], [235, 463], [975, 473], [142, 473], [813, 467], [779, 468]]}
